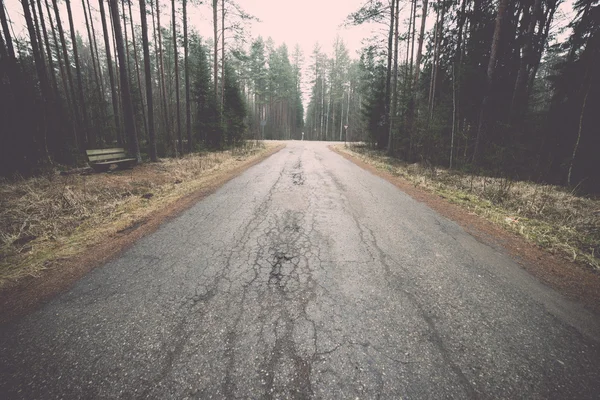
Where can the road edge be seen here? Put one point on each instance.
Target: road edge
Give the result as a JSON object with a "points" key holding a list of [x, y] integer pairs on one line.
{"points": [[568, 279], [28, 294]]}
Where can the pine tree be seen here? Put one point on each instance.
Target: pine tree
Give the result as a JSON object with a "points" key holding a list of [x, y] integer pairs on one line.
{"points": [[207, 122], [148, 75], [130, 131], [234, 108]]}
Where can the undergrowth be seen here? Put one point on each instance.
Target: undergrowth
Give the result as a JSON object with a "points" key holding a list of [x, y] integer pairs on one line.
{"points": [[552, 217], [46, 218]]}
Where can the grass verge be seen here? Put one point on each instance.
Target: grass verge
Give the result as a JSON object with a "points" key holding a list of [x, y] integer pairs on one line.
{"points": [[551, 217], [49, 219]]}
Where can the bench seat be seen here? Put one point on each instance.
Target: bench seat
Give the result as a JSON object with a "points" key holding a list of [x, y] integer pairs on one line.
{"points": [[101, 159]]}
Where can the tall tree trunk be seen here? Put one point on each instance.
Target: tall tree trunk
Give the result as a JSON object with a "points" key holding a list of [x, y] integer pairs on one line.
{"points": [[457, 77], [61, 69], [38, 34], [388, 71], [434, 61], [113, 89], [347, 116], [148, 75], [162, 73], [481, 129], [116, 72], [127, 58], [333, 120], [408, 77], [3, 50], [94, 44], [81, 98], [176, 62], [58, 112], [95, 49], [436, 65], [410, 120], [576, 147], [51, 70], [315, 118], [41, 72], [55, 43], [392, 116], [342, 117], [407, 80], [518, 101], [126, 41], [90, 41], [453, 114], [322, 105], [157, 63], [71, 91], [412, 37], [462, 16], [188, 111], [541, 44], [92, 127], [327, 120], [128, 117], [222, 58], [420, 45], [7, 37], [137, 69], [215, 5]]}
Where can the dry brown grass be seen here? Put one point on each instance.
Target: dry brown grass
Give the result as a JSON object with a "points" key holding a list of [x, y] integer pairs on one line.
{"points": [[552, 217], [49, 218]]}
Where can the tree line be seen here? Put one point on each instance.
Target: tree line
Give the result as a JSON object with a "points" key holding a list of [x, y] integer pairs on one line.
{"points": [[478, 85], [137, 76], [491, 87]]}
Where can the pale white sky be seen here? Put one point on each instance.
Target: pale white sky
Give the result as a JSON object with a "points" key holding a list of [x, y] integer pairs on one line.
{"points": [[291, 21], [306, 22], [285, 21]]}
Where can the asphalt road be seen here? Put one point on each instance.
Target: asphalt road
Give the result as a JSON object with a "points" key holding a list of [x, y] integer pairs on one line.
{"points": [[305, 277]]}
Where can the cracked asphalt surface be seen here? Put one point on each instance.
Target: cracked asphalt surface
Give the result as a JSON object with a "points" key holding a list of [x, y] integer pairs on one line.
{"points": [[305, 277]]}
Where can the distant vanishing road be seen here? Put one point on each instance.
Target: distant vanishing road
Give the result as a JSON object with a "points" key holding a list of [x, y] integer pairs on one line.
{"points": [[305, 277]]}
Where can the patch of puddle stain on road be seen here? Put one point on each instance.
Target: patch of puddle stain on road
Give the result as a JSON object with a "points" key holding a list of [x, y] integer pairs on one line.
{"points": [[277, 273], [298, 178]]}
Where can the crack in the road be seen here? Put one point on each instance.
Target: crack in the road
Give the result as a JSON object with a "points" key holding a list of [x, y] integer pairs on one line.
{"points": [[298, 178], [298, 174], [278, 270], [288, 245], [303, 279], [371, 244], [282, 259]]}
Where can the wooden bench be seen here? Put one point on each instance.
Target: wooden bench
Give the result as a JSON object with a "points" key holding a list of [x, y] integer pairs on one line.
{"points": [[101, 159]]}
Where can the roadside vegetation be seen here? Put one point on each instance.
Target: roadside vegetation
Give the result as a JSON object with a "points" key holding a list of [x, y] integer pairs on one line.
{"points": [[51, 217], [553, 217]]}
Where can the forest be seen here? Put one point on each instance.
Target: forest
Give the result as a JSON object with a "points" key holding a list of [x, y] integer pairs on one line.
{"points": [[137, 76], [496, 87], [493, 87]]}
